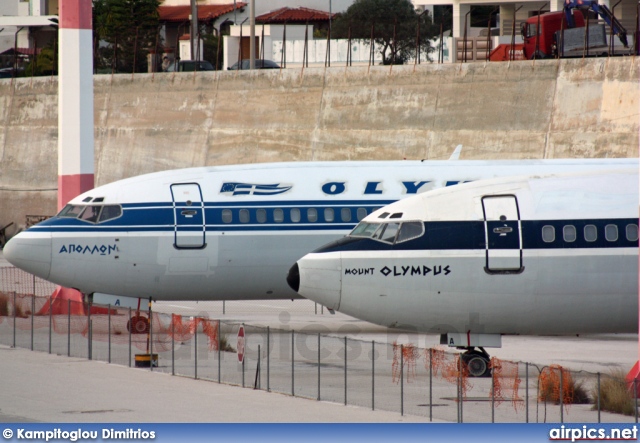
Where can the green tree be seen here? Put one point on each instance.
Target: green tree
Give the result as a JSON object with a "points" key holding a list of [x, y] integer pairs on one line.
{"points": [[46, 63], [395, 26], [125, 31]]}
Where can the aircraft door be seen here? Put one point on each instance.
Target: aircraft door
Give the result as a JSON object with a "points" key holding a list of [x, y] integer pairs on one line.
{"points": [[503, 239], [188, 210]]}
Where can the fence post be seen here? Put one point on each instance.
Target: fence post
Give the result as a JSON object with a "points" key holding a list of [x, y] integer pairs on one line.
{"points": [[33, 312], [493, 397], [401, 379], [318, 361], [598, 400], [526, 391], [257, 383], [635, 394], [50, 324], [109, 331], [69, 328], [173, 345], [430, 384], [90, 342], [345, 370], [150, 338], [561, 398], [268, 358], [293, 378], [244, 357], [90, 329], [373, 375], [195, 359], [129, 325], [219, 352], [14, 319]]}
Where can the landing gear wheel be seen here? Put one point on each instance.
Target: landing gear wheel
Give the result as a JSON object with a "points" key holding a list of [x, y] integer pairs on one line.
{"points": [[477, 363], [138, 325]]}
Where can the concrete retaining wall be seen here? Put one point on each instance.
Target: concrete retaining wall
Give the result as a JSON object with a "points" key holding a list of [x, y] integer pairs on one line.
{"points": [[145, 123]]}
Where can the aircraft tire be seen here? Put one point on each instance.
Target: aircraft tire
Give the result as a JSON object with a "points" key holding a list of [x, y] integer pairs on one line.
{"points": [[138, 325], [477, 364]]}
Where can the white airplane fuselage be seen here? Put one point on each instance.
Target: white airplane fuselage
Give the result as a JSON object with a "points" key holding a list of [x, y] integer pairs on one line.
{"points": [[550, 254], [231, 232]]}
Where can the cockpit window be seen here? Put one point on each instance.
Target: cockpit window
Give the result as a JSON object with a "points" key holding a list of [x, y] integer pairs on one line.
{"points": [[409, 231], [109, 212], [71, 211], [393, 232], [364, 230], [91, 213]]}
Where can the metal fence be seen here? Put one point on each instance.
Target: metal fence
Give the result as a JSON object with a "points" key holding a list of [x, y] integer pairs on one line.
{"points": [[430, 383]]}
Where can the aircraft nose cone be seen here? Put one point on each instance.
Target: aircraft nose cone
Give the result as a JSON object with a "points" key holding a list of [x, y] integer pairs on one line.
{"points": [[30, 252], [319, 278], [293, 277]]}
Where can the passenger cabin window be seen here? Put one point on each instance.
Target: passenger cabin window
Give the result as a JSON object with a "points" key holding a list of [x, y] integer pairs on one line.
{"points": [[295, 215], [611, 232], [345, 214], [361, 213], [261, 215], [632, 232], [569, 233], [328, 215], [278, 215], [590, 233], [244, 216], [548, 234], [312, 215], [227, 216]]}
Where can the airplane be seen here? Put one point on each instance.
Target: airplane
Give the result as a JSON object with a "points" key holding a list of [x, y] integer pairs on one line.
{"points": [[230, 232], [544, 254]]}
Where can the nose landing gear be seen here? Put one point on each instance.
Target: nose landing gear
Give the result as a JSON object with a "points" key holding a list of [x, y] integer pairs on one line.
{"points": [[477, 361]]}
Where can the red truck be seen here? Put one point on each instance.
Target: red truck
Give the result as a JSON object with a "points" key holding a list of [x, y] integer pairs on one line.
{"points": [[563, 33]]}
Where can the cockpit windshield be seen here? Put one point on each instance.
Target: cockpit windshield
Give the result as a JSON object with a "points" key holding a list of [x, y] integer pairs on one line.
{"points": [[91, 213], [389, 232]]}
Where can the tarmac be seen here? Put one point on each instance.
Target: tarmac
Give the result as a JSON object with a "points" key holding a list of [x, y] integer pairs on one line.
{"points": [[40, 387]]}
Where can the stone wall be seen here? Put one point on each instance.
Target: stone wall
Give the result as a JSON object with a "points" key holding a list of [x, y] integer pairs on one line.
{"points": [[147, 122]]}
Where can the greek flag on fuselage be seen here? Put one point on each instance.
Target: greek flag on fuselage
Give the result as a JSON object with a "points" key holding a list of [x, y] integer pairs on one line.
{"points": [[253, 189]]}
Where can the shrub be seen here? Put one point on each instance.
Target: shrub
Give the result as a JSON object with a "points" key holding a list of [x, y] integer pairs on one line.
{"points": [[615, 396]]}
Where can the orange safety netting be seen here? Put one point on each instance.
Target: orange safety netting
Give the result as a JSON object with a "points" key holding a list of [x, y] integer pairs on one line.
{"points": [[549, 382], [451, 367], [181, 331], [409, 355], [506, 382]]}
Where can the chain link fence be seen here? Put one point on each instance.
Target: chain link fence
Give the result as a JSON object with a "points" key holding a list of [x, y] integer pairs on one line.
{"points": [[431, 383]]}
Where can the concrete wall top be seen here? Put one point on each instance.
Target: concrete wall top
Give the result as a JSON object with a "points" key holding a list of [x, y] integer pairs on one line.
{"points": [[151, 122]]}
